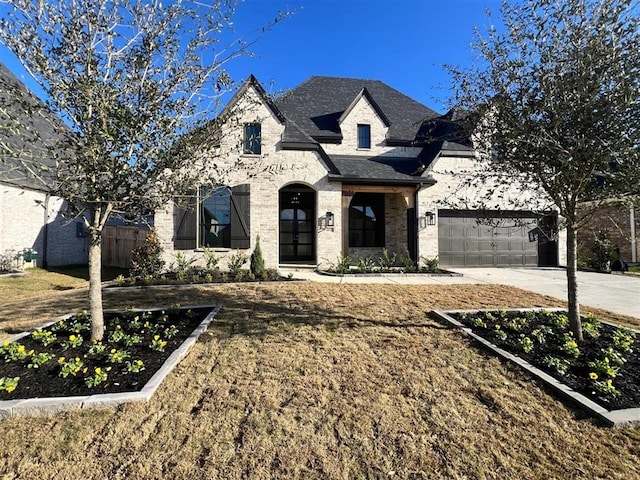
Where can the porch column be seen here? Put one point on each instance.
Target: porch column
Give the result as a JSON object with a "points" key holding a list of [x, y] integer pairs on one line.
{"points": [[347, 195]]}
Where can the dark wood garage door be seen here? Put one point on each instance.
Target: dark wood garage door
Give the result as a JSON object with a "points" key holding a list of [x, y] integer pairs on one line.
{"points": [[469, 239]]}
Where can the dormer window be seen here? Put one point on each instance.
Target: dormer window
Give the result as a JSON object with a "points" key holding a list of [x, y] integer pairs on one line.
{"points": [[364, 136], [252, 137]]}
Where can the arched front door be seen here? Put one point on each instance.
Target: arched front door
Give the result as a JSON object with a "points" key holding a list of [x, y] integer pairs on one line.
{"points": [[297, 222]]}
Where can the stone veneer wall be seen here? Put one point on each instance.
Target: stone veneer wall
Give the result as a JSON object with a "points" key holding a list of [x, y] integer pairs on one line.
{"points": [[450, 191], [395, 230]]}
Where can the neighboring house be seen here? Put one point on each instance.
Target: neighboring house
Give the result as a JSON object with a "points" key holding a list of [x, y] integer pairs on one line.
{"points": [[347, 167], [30, 217]]}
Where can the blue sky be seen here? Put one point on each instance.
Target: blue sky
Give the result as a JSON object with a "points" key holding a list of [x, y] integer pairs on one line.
{"points": [[404, 43]]}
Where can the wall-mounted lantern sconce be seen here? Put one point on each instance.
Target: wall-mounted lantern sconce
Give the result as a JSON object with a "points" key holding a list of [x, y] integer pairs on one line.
{"points": [[326, 221], [429, 218], [330, 219]]}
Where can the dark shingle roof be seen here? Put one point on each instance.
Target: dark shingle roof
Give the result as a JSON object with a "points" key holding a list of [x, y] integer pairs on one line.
{"points": [[380, 170], [29, 135], [317, 104]]}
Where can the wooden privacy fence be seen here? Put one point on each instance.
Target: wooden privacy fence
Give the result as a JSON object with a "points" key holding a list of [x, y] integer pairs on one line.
{"points": [[118, 242]]}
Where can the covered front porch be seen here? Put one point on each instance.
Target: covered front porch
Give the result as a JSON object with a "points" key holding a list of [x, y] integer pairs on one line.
{"points": [[377, 217]]}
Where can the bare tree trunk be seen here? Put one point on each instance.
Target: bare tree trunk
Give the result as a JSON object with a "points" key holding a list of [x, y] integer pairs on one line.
{"points": [[575, 324], [95, 286]]}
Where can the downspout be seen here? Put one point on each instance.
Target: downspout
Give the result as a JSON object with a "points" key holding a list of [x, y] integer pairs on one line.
{"points": [[45, 231], [632, 223]]}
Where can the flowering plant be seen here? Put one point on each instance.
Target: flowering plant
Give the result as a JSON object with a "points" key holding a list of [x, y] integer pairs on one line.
{"points": [[70, 367], [9, 384], [99, 376], [157, 343]]}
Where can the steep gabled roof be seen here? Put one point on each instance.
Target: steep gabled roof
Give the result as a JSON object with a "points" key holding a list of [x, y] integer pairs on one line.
{"points": [[30, 135], [365, 93], [252, 82], [318, 104]]}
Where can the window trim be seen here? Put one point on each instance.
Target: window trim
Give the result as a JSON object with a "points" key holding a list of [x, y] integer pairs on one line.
{"points": [[362, 128]]}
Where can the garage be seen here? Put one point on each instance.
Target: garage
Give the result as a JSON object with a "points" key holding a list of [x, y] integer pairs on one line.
{"points": [[468, 238]]}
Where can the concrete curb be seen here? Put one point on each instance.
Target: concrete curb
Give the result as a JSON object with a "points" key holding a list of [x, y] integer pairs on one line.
{"points": [[629, 417], [53, 405]]}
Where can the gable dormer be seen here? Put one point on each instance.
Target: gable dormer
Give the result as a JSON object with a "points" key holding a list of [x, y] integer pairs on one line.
{"points": [[252, 123], [363, 125]]}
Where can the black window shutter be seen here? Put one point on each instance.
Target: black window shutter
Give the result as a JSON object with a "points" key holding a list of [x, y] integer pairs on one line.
{"points": [[185, 223], [240, 232]]}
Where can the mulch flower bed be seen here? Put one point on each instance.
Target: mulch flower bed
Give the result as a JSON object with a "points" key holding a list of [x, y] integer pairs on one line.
{"points": [[605, 367], [60, 360]]}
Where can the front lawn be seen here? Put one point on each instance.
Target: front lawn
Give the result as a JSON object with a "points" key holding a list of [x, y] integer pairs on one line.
{"points": [[322, 381]]}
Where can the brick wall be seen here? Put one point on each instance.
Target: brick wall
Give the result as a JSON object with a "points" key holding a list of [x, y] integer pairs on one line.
{"points": [[22, 220]]}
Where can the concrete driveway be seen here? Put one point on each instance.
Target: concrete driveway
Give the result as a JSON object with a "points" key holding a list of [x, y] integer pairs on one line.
{"points": [[615, 293]]}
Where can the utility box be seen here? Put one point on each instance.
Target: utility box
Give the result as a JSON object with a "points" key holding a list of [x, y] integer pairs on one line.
{"points": [[29, 255]]}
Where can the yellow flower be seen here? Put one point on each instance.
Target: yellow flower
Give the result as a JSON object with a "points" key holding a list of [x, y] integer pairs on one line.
{"points": [[156, 337], [61, 360], [117, 327], [593, 376], [609, 383], [7, 343], [72, 338], [77, 359], [21, 348], [113, 350], [10, 388], [98, 370]]}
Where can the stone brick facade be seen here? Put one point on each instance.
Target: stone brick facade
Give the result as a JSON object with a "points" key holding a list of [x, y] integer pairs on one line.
{"points": [[277, 166]]}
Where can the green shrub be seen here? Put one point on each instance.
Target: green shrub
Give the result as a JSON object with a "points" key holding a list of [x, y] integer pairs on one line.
{"points": [[257, 262], [341, 266], [387, 260], [407, 263], [211, 260], [182, 265], [236, 262], [431, 264], [146, 260], [365, 264]]}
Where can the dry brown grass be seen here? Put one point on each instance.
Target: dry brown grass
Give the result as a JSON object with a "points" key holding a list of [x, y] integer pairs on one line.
{"points": [[303, 380]]}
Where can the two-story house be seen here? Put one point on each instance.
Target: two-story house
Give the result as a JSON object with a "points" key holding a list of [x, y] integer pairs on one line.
{"points": [[346, 167]]}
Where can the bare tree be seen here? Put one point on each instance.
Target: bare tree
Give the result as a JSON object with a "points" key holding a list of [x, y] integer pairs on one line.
{"points": [[129, 78], [556, 103]]}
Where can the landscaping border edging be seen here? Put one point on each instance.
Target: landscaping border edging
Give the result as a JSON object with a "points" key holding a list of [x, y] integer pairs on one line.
{"points": [[612, 418], [389, 274], [53, 405]]}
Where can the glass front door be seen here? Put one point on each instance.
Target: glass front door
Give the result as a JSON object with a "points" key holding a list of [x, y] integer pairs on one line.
{"points": [[297, 225]]}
